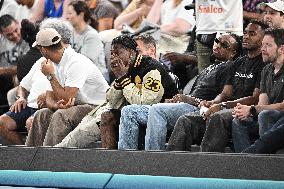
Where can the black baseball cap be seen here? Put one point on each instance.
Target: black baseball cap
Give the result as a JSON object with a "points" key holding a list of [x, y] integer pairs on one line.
{"points": [[190, 6]]}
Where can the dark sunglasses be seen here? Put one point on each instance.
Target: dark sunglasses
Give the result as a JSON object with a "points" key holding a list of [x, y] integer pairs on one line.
{"points": [[224, 45]]}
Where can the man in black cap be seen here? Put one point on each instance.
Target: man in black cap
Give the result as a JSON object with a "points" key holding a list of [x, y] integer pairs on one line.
{"points": [[190, 6]]}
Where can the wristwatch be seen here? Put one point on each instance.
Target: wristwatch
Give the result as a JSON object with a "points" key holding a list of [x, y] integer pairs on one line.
{"points": [[223, 105], [18, 97], [253, 111], [50, 77]]}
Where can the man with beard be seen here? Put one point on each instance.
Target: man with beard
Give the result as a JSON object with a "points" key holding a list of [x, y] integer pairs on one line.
{"points": [[268, 114], [242, 87], [208, 84]]}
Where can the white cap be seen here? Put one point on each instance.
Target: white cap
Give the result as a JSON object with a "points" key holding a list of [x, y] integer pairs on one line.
{"points": [[277, 5], [47, 37]]}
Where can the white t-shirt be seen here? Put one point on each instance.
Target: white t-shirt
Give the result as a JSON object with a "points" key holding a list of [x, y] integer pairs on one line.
{"points": [[9, 7], [23, 12], [169, 13], [219, 16], [36, 83], [76, 70], [89, 44]]}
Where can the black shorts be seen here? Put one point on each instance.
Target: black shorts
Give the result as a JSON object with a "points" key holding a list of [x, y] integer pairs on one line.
{"points": [[21, 117]]}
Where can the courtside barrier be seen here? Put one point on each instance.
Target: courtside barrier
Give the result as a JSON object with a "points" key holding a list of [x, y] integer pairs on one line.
{"points": [[120, 181], [53, 179]]}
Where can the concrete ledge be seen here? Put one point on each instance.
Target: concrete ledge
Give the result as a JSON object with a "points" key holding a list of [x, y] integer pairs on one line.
{"points": [[157, 163]]}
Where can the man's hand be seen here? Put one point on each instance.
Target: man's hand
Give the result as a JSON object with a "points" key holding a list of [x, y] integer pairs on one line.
{"points": [[8, 71], [41, 100], [184, 98], [62, 105], [169, 100], [118, 67], [175, 57], [205, 103], [29, 122], [47, 67], [212, 109], [241, 112], [143, 9], [20, 104]]}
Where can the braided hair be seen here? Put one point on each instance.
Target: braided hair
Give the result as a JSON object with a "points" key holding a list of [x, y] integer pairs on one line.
{"points": [[126, 41]]}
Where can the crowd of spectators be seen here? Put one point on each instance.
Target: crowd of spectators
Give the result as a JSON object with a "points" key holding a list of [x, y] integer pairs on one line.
{"points": [[143, 74]]}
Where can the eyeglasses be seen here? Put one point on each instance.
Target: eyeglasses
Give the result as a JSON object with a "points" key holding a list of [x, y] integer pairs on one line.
{"points": [[223, 44]]}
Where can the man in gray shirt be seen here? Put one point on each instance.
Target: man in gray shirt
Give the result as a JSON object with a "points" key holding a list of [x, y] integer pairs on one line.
{"points": [[11, 47]]}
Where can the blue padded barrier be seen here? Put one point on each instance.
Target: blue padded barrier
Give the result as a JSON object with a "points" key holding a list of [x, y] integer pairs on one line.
{"points": [[120, 181], [54, 179], [163, 182]]}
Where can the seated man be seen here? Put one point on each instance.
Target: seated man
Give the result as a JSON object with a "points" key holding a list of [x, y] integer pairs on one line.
{"points": [[140, 80], [163, 116], [104, 13], [74, 80], [12, 46], [253, 120], [242, 86], [32, 89], [146, 45], [32, 81]]}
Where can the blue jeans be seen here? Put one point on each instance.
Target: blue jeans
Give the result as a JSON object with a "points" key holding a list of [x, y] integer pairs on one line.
{"points": [[163, 117], [271, 126], [242, 130], [268, 119], [132, 116]]}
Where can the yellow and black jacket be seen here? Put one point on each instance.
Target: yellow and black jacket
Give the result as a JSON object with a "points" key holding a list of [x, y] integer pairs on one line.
{"points": [[147, 82]]}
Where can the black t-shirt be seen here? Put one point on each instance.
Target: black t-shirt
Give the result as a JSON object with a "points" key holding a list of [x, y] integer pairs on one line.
{"points": [[272, 84], [26, 62], [210, 82], [245, 76]]}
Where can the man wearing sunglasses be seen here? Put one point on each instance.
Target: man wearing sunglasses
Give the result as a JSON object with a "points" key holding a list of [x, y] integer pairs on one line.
{"points": [[223, 44], [162, 116], [242, 86]]}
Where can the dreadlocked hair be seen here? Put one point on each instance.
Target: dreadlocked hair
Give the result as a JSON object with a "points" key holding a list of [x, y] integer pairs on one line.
{"points": [[126, 41], [238, 44]]}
